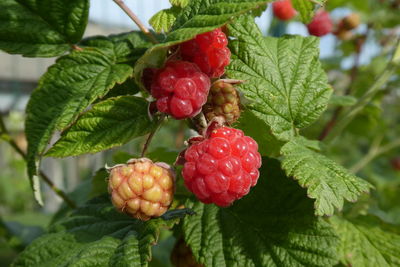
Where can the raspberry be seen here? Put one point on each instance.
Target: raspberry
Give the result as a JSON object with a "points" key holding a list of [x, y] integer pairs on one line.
{"points": [[180, 89], [223, 100], [182, 256], [141, 188], [350, 22], [222, 168], [321, 24], [209, 51], [283, 9]]}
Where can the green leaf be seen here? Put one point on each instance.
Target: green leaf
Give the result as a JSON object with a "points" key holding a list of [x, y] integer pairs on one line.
{"points": [[272, 226], [343, 100], [180, 3], [41, 28], [65, 90], [96, 235], [199, 16], [305, 8], [127, 46], [365, 243], [99, 185], [108, 124], [319, 2], [163, 20], [76, 81], [285, 82], [326, 181]]}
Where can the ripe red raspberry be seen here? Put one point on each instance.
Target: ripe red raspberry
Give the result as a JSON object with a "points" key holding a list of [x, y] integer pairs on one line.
{"points": [[141, 188], [182, 256], [223, 167], [321, 24], [180, 88], [209, 51], [223, 100], [283, 9]]}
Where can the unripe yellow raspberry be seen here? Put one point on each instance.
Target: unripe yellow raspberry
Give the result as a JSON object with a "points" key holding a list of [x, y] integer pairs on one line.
{"points": [[223, 100], [141, 188]]}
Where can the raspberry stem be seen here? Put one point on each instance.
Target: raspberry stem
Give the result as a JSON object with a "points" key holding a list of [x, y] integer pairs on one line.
{"points": [[137, 21], [4, 134], [151, 135]]}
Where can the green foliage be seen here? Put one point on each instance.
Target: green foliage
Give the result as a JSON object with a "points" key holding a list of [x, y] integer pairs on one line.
{"points": [[197, 17], [179, 3], [326, 181], [110, 123], [45, 28], [284, 78], [305, 8], [273, 226], [163, 20], [73, 83], [343, 100], [96, 235], [92, 97], [366, 243]]}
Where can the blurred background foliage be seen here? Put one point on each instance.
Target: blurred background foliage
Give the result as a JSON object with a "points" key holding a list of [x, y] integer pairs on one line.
{"points": [[369, 146]]}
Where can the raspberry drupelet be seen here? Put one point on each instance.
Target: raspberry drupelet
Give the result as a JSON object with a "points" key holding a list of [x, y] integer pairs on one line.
{"points": [[223, 167], [209, 51], [180, 88], [141, 188]]}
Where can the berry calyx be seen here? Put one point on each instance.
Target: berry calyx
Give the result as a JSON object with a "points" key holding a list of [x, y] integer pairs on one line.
{"points": [[223, 100], [141, 188], [321, 24], [209, 51], [180, 88], [222, 168], [283, 9], [182, 255]]}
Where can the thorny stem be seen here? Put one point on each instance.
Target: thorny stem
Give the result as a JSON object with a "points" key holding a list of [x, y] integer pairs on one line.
{"points": [[151, 135], [374, 151], [135, 19], [76, 47], [344, 120], [4, 134]]}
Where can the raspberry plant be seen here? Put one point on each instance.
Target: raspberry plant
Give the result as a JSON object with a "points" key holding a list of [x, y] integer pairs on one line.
{"points": [[256, 185]]}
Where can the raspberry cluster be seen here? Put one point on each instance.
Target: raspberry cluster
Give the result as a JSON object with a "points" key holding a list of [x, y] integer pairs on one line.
{"points": [[182, 255], [180, 88], [141, 188], [283, 9], [223, 167], [223, 100], [209, 51], [321, 24]]}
